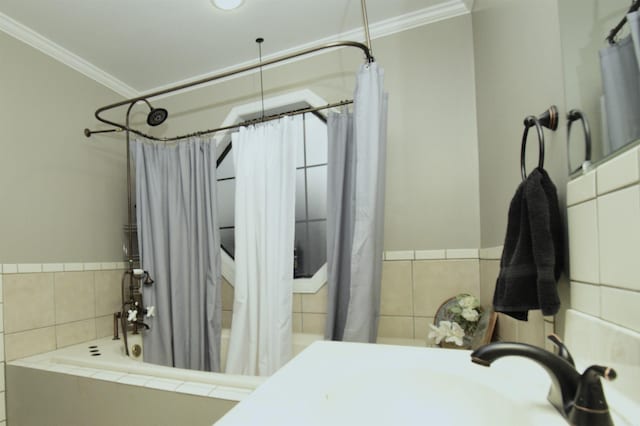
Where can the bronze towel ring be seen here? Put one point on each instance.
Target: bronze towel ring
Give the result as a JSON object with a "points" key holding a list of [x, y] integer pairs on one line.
{"points": [[529, 122], [574, 115], [548, 119]]}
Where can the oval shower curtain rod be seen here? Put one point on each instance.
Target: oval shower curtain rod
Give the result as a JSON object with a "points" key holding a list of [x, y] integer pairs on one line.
{"points": [[122, 127], [611, 38]]}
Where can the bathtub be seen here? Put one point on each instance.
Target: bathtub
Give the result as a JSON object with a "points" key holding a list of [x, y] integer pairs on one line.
{"points": [[104, 358], [299, 342], [49, 388], [96, 383]]}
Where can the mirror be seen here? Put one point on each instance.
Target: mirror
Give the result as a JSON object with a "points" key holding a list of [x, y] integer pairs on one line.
{"points": [[584, 26]]}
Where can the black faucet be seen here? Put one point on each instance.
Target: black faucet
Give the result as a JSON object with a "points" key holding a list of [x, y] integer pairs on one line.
{"points": [[578, 397], [142, 324]]}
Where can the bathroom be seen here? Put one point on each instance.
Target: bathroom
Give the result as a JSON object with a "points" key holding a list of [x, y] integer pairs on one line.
{"points": [[460, 84]]}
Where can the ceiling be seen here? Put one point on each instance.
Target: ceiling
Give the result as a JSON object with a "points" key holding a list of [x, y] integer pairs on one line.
{"points": [[138, 46]]}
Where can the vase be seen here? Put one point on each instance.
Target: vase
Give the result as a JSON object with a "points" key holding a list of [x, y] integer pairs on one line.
{"points": [[466, 344], [450, 345]]}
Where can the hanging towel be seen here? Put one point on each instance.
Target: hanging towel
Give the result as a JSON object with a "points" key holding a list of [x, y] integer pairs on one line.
{"points": [[532, 257]]}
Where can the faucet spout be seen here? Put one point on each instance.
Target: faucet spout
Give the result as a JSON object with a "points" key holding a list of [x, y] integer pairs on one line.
{"points": [[142, 324], [564, 377]]}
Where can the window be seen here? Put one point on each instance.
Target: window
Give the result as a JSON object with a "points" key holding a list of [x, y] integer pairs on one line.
{"points": [[311, 188]]}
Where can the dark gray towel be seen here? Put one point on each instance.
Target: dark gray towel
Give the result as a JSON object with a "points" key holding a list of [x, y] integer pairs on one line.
{"points": [[532, 257]]}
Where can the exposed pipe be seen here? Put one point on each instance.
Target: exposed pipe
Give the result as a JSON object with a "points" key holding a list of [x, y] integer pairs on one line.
{"points": [[123, 314], [365, 23]]}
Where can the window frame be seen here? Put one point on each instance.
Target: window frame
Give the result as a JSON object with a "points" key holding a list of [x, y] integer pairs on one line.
{"points": [[300, 285]]}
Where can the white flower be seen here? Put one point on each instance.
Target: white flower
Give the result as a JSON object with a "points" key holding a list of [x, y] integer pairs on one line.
{"points": [[470, 314], [456, 333], [440, 332], [468, 302]]}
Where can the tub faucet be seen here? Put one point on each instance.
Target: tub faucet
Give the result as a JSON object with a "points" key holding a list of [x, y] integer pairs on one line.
{"points": [[142, 324], [578, 397]]}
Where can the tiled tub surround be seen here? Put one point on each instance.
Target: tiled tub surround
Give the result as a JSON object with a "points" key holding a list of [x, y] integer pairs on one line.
{"points": [[414, 284], [70, 386], [41, 379], [50, 306], [3, 414]]}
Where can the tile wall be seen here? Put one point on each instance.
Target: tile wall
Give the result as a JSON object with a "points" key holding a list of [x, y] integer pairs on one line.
{"points": [[49, 306], [535, 330], [604, 241], [3, 409], [414, 284]]}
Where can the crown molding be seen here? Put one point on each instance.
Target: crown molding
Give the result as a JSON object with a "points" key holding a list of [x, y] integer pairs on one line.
{"points": [[379, 29], [384, 28], [469, 5], [25, 34], [428, 15]]}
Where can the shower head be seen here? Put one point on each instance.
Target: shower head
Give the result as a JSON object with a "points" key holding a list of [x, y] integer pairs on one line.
{"points": [[156, 116]]}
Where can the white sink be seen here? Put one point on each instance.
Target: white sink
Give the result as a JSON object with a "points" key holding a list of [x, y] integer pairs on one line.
{"points": [[415, 396], [333, 383]]}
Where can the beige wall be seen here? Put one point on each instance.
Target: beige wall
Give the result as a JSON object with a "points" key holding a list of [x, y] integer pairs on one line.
{"points": [[432, 197], [62, 195], [518, 73], [459, 90], [518, 64]]}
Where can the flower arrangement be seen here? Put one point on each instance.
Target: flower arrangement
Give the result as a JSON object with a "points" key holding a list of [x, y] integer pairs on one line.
{"points": [[460, 320]]}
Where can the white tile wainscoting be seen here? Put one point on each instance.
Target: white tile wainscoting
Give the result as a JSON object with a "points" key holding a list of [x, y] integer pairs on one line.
{"points": [[604, 241], [603, 325], [44, 306]]}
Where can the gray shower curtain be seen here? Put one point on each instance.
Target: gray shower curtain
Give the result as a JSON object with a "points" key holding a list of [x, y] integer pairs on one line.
{"points": [[355, 211], [179, 243], [621, 86], [340, 218]]}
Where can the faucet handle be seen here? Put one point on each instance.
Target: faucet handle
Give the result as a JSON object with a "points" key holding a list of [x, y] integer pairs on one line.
{"points": [[563, 351], [133, 315], [590, 406], [150, 311]]}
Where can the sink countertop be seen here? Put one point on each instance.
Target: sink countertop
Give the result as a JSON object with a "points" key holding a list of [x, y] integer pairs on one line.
{"points": [[341, 383]]}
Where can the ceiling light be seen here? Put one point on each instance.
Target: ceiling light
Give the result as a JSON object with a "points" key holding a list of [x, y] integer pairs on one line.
{"points": [[226, 4]]}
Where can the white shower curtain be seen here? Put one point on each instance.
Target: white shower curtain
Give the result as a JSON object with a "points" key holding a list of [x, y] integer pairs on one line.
{"points": [[264, 156], [355, 211]]}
